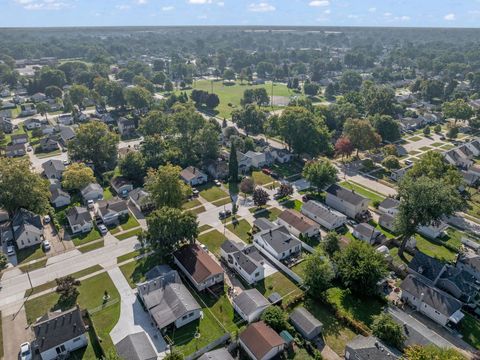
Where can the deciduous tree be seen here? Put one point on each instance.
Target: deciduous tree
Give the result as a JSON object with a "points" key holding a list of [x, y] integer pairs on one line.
{"points": [[457, 109], [431, 352], [133, 167], [77, 176], [320, 173], [386, 329], [318, 273], [165, 186], [361, 134], [260, 197], [344, 147]]}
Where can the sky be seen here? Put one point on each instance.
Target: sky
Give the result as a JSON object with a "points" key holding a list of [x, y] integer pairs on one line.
{"points": [[405, 13]]}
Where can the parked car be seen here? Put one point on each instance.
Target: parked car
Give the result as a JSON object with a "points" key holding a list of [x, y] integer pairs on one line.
{"points": [[217, 182], [408, 162], [195, 192], [10, 250], [25, 351], [267, 171], [224, 214], [47, 219], [29, 148], [90, 204], [103, 229], [442, 137], [46, 245], [66, 162]]}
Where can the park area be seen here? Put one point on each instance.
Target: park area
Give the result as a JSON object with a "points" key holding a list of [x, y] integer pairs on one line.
{"points": [[230, 95]]}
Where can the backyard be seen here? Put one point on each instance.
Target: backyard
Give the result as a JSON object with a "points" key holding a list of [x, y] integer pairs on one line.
{"points": [[279, 283]]}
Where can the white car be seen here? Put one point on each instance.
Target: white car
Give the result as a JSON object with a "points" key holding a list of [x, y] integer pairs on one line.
{"points": [[25, 351], [103, 229], [46, 245], [217, 182], [47, 219], [10, 250], [90, 204]]}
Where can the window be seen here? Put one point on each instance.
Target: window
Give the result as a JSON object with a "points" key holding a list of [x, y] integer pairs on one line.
{"points": [[190, 315], [60, 349], [77, 339], [184, 317], [257, 274]]}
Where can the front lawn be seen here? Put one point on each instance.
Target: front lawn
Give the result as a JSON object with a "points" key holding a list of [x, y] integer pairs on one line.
{"points": [[129, 234], [86, 238], [293, 204], [288, 169], [415, 138], [260, 178], [135, 271], [30, 253], [241, 228], [212, 193], [38, 264], [191, 204], [92, 246], [204, 227], [373, 196], [128, 256], [213, 240], [470, 329], [271, 214], [280, 283], [107, 193], [130, 222]]}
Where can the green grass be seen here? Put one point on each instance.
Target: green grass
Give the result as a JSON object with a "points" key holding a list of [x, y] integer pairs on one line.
{"points": [[434, 248], [415, 138], [135, 271], [204, 227], [280, 283], [437, 144], [130, 223], [86, 238], [91, 296], [335, 333], [448, 146], [128, 256], [397, 261], [213, 239], [299, 269], [384, 231], [373, 196], [92, 246], [260, 178], [191, 204], [241, 228], [233, 94], [213, 193], [107, 193], [293, 204], [425, 148], [470, 329], [197, 210], [221, 202], [52, 284], [30, 253], [33, 266], [271, 214], [288, 169], [129, 234]]}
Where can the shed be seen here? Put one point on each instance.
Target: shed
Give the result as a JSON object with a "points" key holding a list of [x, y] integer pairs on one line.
{"points": [[305, 323]]}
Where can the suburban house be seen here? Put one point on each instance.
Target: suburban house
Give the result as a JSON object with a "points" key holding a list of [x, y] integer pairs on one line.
{"points": [[368, 233], [92, 191], [121, 185], [15, 150], [430, 301], [261, 342], [201, 269], [323, 215], [59, 198], [218, 354], [65, 119], [250, 304], [27, 228], [111, 211], [27, 110], [48, 144], [140, 199], [6, 125], [458, 158], [387, 221], [470, 262], [278, 242], [19, 139], [305, 323], [369, 348], [33, 123], [281, 156], [168, 301], [433, 231], [298, 224], [193, 176], [53, 169], [58, 334], [389, 206], [258, 159], [79, 219], [136, 346], [38, 97], [346, 201], [245, 260], [397, 175], [66, 134], [126, 126]]}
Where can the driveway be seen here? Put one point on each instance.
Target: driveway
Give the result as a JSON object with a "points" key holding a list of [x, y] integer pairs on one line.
{"points": [[57, 247], [15, 331], [133, 318]]}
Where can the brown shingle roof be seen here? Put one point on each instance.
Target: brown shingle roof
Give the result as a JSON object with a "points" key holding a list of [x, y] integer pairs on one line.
{"points": [[260, 339], [197, 262], [297, 220]]}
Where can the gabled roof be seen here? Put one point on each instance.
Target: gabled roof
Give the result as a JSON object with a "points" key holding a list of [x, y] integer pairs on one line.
{"points": [[389, 203], [248, 301], [91, 187], [114, 205], [53, 167], [249, 259], [219, 354], [426, 266], [197, 262], [260, 339], [78, 215], [440, 301], [297, 220], [56, 193], [119, 181], [304, 320], [370, 348], [366, 230], [25, 220], [191, 172], [136, 347], [322, 211], [263, 223], [230, 246], [280, 239], [346, 195], [56, 328]]}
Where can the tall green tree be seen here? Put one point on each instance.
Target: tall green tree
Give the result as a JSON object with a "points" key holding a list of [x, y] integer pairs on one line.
{"points": [[133, 167], [386, 127], [386, 329], [138, 97], [165, 186], [78, 93], [457, 109], [361, 134], [431, 352], [77, 176], [318, 273], [95, 143], [43, 109], [320, 173], [22, 188], [250, 118]]}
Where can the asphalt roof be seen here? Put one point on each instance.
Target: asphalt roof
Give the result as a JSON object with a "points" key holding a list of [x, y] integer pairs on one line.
{"points": [[115, 205], [426, 266], [297, 220], [260, 339], [78, 215], [370, 348], [389, 203], [248, 301], [230, 246], [197, 262], [322, 211], [304, 320], [136, 347], [346, 195], [219, 354], [280, 239]]}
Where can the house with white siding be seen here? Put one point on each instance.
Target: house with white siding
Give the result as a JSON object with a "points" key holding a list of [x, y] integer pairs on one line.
{"points": [[323, 215], [278, 242], [245, 260], [346, 201]]}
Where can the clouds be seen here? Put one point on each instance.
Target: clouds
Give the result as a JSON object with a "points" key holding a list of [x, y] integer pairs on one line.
{"points": [[319, 3], [199, 2], [168, 8], [261, 7], [42, 4], [450, 17]]}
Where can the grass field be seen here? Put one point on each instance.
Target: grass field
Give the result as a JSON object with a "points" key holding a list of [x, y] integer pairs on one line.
{"points": [[191, 204], [271, 214], [135, 271], [30, 253], [213, 193], [130, 223], [129, 234], [362, 191], [230, 96], [261, 178], [434, 248], [213, 240], [204, 227], [241, 228], [33, 266], [128, 256], [280, 283], [92, 246]]}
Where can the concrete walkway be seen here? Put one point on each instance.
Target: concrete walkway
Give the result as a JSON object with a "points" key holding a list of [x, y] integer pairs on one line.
{"points": [[133, 319]]}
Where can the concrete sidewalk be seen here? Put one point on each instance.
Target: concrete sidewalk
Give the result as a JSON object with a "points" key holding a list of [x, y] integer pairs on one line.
{"points": [[133, 319]]}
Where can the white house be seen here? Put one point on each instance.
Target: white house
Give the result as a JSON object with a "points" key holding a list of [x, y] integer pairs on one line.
{"points": [[59, 198], [38, 97], [193, 176], [92, 191], [346, 201], [140, 199], [323, 215], [79, 219], [261, 342], [367, 233], [27, 228], [430, 301], [245, 260], [250, 304], [58, 334], [111, 211], [53, 169], [298, 224], [258, 159], [65, 119], [433, 231], [278, 242], [389, 206], [121, 185]]}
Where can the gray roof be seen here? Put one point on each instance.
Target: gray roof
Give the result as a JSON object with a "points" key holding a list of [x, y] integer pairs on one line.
{"points": [[56, 328], [136, 347], [25, 220], [426, 266], [322, 211], [389, 203], [249, 259], [440, 301], [157, 271], [263, 223], [304, 320], [370, 348], [55, 193], [66, 133], [346, 195], [91, 187], [53, 167], [366, 230], [138, 195], [280, 239], [114, 205], [219, 354], [78, 215], [230, 246], [167, 299], [248, 301]]}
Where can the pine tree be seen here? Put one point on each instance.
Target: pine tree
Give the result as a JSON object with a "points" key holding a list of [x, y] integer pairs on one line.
{"points": [[233, 164]]}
